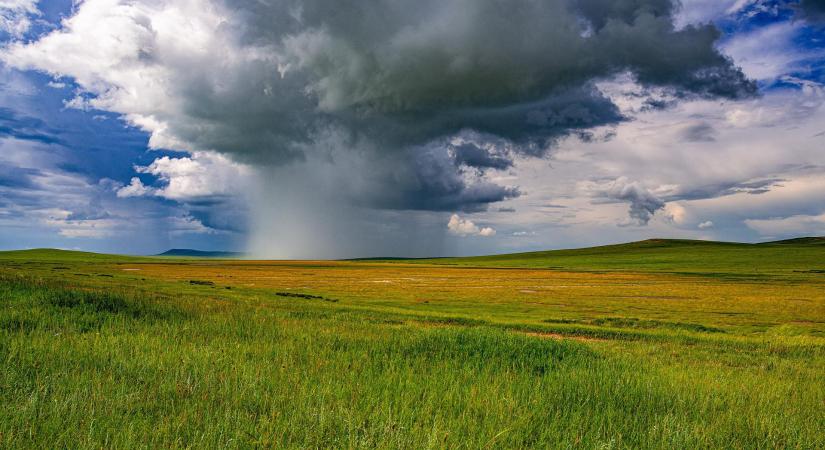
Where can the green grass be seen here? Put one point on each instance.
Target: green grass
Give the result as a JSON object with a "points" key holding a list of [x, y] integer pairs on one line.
{"points": [[50, 254], [92, 356], [669, 255]]}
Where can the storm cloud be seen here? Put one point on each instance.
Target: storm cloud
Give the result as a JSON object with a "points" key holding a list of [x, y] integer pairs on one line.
{"points": [[381, 105], [813, 10], [264, 82]]}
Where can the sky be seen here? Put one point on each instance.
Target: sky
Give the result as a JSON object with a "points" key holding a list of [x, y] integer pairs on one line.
{"points": [[357, 128]]}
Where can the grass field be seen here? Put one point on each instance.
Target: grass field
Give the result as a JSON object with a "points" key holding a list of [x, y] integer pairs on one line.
{"points": [[658, 344]]}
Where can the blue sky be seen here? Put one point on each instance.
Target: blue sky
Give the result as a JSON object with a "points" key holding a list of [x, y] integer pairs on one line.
{"points": [[291, 130]]}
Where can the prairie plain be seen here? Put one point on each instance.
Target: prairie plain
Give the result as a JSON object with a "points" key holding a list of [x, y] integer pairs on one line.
{"points": [[657, 344]]}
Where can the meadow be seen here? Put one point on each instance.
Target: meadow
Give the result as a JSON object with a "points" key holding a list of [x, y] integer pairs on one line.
{"points": [[658, 344]]}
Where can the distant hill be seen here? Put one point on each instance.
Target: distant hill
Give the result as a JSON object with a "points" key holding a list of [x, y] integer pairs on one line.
{"points": [[51, 254], [799, 256], [802, 255], [799, 241], [189, 253]]}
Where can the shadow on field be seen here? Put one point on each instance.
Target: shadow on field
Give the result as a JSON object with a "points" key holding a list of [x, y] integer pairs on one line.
{"points": [[36, 304], [478, 347]]}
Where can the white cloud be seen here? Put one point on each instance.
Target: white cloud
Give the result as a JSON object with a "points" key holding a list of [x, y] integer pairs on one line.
{"points": [[703, 11], [202, 175], [134, 189], [466, 227], [105, 48], [15, 16], [778, 136], [810, 225], [770, 52], [705, 225], [487, 232]]}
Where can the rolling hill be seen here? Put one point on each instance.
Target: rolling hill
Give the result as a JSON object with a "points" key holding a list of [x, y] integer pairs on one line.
{"points": [[189, 253], [667, 255], [800, 255]]}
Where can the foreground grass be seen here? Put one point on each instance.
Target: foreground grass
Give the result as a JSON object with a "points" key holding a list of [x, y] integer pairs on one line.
{"points": [[96, 356]]}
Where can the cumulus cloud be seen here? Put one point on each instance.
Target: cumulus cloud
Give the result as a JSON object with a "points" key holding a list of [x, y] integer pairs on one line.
{"points": [[203, 175], [466, 227], [134, 189], [643, 203], [209, 185], [705, 225], [266, 82]]}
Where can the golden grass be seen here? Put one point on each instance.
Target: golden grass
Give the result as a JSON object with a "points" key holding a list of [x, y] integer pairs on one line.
{"points": [[520, 295]]}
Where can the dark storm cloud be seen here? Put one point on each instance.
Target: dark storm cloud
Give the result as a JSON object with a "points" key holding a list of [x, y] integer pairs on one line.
{"points": [[431, 179], [471, 155], [222, 217], [390, 77], [813, 10], [404, 74]]}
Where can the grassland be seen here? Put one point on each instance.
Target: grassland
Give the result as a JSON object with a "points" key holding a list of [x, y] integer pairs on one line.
{"points": [[660, 344]]}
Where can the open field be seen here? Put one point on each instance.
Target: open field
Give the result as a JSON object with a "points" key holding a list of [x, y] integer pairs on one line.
{"points": [[660, 344]]}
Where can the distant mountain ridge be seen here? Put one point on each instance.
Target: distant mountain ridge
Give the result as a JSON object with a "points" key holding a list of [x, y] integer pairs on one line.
{"points": [[187, 252]]}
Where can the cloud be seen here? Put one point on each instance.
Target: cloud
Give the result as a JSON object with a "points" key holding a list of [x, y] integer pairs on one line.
{"points": [[472, 155], [703, 11], [465, 227], [798, 225], [392, 78], [643, 203], [487, 232], [721, 189], [699, 132], [15, 16], [705, 225], [18, 126], [434, 179], [768, 53], [207, 184], [813, 10], [202, 176], [134, 189]]}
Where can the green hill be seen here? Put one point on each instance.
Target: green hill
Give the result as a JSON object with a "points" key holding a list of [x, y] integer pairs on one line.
{"points": [[51, 254], [190, 253], [799, 256], [804, 255]]}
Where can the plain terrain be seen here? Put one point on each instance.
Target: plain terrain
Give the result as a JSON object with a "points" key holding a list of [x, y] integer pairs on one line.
{"points": [[657, 344]]}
